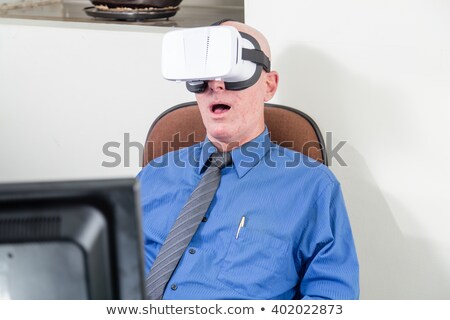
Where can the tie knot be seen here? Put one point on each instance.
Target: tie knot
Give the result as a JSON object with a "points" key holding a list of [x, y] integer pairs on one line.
{"points": [[220, 159]]}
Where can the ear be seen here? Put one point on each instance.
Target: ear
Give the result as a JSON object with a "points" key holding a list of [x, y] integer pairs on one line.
{"points": [[271, 85]]}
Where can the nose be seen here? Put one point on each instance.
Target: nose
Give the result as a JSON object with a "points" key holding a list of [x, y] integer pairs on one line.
{"points": [[215, 85]]}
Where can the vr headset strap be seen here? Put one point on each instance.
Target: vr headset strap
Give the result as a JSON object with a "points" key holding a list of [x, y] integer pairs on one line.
{"points": [[256, 56], [218, 23]]}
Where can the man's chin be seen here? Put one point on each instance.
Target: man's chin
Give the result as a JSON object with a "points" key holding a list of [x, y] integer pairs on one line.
{"points": [[223, 136]]}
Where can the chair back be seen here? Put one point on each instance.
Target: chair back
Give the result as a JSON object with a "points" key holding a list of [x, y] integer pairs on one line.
{"points": [[181, 126]]}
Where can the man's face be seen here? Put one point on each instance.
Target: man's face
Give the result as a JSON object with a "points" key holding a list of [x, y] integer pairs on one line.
{"points": [[233, 117]]}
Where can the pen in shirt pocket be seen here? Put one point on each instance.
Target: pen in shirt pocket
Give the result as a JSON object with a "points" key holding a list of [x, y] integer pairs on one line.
{"points": [[241, 225]]}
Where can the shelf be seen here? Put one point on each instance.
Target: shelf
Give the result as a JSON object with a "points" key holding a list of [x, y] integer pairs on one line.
{"points": [[187, 17]]}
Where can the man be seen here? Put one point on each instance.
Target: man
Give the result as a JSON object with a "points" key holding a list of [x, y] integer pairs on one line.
{"points": [[272, 230]]}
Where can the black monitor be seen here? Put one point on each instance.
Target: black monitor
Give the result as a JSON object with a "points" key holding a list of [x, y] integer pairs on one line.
{"points": [[71, 240]]}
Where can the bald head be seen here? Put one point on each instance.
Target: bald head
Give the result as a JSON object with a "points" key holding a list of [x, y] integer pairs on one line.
{"points": [[254, 33]]}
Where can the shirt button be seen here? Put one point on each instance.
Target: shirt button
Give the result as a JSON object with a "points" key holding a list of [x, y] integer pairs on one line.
{"points": [[204, 219], [191, 251], [174, 287]]}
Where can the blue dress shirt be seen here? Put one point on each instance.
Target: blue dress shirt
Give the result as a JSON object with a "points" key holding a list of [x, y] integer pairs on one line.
{"points": [[296, 241]]}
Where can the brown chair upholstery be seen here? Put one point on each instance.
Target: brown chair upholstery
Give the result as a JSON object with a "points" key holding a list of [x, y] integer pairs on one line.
{"points": [[182, 126]]}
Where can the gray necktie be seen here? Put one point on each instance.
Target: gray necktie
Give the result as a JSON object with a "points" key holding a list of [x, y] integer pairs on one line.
{"points": [[185, 227]]}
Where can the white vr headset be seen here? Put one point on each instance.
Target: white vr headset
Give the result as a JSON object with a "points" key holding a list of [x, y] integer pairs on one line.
{"points": [[198, 55]]}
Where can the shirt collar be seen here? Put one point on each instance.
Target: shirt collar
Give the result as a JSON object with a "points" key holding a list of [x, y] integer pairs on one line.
{"points": [[244, 158]]}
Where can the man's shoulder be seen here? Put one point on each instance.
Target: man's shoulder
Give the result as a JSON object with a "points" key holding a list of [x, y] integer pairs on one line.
{"points": [[179, 159], [295, 162]]}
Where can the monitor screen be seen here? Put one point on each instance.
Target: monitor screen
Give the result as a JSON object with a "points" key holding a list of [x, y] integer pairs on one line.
{"points": [[71, 240]]}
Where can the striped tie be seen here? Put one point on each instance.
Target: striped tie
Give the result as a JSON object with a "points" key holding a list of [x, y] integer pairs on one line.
{"points": [[185, 227]]}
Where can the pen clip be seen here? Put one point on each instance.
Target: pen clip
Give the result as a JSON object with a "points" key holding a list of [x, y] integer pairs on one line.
{"points": [[241, 225]]}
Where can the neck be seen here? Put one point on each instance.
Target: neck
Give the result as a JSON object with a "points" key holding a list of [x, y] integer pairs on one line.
{"points": [[226, 146]]}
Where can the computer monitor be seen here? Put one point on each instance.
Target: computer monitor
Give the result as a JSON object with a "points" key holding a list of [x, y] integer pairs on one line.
{"points": [[71, 240]]}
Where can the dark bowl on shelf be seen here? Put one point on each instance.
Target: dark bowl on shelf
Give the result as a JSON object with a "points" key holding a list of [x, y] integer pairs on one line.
{"points": [[137, 3]]}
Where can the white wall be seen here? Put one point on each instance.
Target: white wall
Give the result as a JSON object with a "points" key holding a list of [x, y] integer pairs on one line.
{"points": [[377, 74], [66, 89]]}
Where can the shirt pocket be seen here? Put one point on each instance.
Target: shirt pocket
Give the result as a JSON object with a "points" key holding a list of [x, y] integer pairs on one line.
{"points": [[255, 265]]}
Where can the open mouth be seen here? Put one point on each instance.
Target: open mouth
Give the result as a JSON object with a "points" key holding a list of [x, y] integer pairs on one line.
{"points": [[220, 108]]}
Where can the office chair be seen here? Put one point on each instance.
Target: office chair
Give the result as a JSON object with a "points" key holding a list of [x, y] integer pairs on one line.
{"points": [[181, 126]]}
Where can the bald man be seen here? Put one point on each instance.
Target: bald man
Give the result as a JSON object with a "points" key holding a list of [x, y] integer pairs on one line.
{"points": [[272, 230]]}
